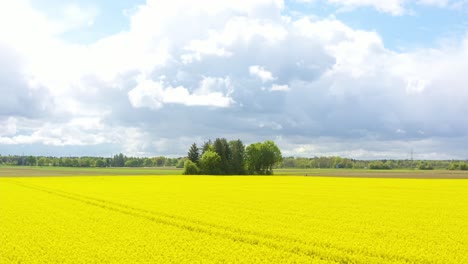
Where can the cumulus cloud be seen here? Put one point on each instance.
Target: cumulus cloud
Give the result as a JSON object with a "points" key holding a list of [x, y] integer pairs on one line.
{"points": [[276, 87], [186, 71], [261, 73], [393, 7], [153, 95], [9, 126]]}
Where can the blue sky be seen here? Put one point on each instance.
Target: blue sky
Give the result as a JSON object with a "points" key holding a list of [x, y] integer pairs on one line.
{"points": [[108, 17], [356, 78]]}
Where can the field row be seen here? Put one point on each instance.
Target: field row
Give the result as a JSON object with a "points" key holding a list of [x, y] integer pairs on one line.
{"points": [[232, 219]]}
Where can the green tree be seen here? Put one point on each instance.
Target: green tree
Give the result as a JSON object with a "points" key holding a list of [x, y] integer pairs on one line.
{"points": [[85, 162], [237, 157], [66, 162], [42, 162], [55, 161], [181, 163], [463, 166], [253, 158], [221, 146], [289, 162], [208, 145], [379, 165], [119, 160], [75, 162], [159, 161], [424, 165], [302, 163], [193, 153], [453, 166], [210, 163], [190, 168], [100, 163], [168, 162], [261, 157], [148, 162], [271, 155], [31, 161], [131, 163]]}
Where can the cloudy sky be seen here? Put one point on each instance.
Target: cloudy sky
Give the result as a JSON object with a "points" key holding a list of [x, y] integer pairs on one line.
{"points": [[356, 78]]}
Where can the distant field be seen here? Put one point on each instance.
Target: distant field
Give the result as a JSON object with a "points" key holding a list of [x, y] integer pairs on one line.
{"points": [[359, 173], [206, 219]]}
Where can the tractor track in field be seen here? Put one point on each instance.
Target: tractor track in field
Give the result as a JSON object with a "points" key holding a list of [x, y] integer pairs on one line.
{"points": [[323, 251]]}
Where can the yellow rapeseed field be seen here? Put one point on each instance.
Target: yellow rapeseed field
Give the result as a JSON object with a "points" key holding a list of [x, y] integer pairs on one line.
{"points": [[207, 219]]}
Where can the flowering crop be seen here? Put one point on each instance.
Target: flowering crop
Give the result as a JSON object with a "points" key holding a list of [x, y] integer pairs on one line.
{"points": [[207, 219]]}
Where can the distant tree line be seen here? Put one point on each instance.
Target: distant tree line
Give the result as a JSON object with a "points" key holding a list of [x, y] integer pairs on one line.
{"points": [[237, 163], [119, 160], [346, 163], [232, 158]]}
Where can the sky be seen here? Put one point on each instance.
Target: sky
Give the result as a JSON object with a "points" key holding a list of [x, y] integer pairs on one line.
{"points": [[364, 79]]}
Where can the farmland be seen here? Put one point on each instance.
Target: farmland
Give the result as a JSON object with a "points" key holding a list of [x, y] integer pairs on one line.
{"points": [[235, 219]]}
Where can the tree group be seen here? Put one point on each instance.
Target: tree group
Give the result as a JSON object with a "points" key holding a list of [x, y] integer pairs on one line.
{"points": [[232, 158]]}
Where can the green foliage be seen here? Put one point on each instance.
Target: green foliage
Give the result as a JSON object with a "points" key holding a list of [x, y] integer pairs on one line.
{"points": [[100, 163], [229, 158], [85, 162], [190, 168], [379, 165], [193, 153], [253, 159], [208, 145], [31, 161], [261, 157], [43, 161], [148, 163], [119, 160], [181, 163], [237, 157], [168, 162], [210, 163], [221, 146], [131, 163], [463, 166], [458, 166], [345, 163], [454, 166], [159, 161], [424, 165], [236, 162]]}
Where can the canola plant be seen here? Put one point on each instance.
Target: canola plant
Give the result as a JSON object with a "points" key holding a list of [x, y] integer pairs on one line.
{"points": [[207, 219]]}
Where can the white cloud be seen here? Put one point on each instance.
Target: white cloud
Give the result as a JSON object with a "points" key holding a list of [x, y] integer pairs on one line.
{"points": [[260, 72], [60, 135], [154, 95], [341, 82], [8, 126], [237, 30], [393, 7], [270, 125], [356, 51], [75, 16], [415, 86], [439, 3], [180, 95], [282, 88]]}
